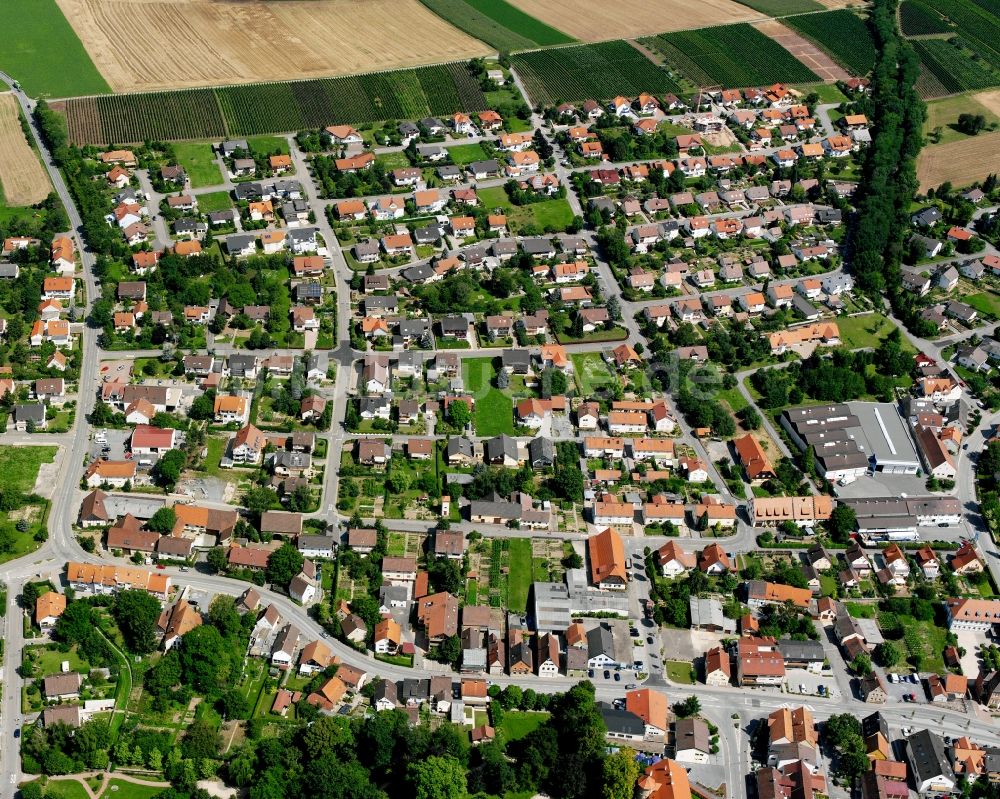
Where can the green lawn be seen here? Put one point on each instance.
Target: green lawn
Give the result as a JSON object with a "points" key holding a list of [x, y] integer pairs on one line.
{"points": [[986, 302], [120, 789], [519, 576], [266, 145], [493, 413], [42, 51], [590, 372], [49, 661], [857, 332], [394, 160], [828, 92], [554, 215], [463, 154], [65, 789], [679, 671], [19, 465], [214, 201], [519, 724], [860, 610], [198, 159], [734, 399]]}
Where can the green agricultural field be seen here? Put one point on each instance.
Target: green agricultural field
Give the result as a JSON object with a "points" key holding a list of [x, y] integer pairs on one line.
{"points": [[977, 22], [730, 55], [917, 19], [942, 117], [954, 66], [843, 34], [781, 8], [267, 108], [198, 159], [42, 51], [498, 23], [599, 71], [214, 201]]}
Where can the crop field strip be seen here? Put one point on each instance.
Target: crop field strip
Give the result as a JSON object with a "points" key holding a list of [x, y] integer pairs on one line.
{"points": [[918, 19], [843, 34], [590, 71], [498, 23], [257, 109], [781, 8], [954, 69], [730, 55], [978, 23]]}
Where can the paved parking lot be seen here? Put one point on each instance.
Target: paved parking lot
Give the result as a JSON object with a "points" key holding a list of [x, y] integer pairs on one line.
{"points": [[115, 439], [883, 485], [807, 683]]}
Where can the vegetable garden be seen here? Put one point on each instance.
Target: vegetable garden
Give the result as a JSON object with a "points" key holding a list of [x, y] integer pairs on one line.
{"points": [[843, 34], [497, 23], [263, 108], [730, 56], [590, 71]]}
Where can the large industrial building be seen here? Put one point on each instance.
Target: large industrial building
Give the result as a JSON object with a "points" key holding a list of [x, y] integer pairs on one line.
{"points": [[851, 439], [897, 519]]}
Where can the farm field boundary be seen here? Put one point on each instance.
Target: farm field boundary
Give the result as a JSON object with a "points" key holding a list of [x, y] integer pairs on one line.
{"points": [[962, 162], [265, 108], [730, 55], [22, 177], [498, 24], [599, 71], [842, 34]]}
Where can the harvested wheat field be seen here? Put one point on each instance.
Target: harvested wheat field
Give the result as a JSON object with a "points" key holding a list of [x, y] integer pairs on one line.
{"points": [[961, 162], [990, 99], [24, 180], [185, 43], [597, 20], [804, 50]]}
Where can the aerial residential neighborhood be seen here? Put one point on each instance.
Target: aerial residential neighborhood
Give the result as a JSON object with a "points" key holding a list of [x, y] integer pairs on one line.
{"points": [[592, 404]]}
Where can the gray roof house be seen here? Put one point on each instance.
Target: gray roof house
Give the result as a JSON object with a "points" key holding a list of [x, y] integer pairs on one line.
{"points": [[929, 766], [501, 450], [541, 452]]}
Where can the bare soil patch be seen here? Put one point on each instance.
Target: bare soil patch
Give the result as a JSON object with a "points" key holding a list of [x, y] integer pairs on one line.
{"points": [[961, 162], [597, 20], [186, 43], [804, 50], [24, 180]]}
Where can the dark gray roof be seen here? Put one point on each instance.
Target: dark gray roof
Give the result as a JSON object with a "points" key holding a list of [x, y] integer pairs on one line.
{"points": [[541, 451], [240, 241], [302, 234], [801, 650], [454, 324], [601, 640], [459, 446], [621, 721], [488, 166], [537, 246], [415, 689], [516, 357], [34, 412], [379, 303], [500, 448], [320, 542], [414, 327], [427, 234], [418, 273], [927, 757]]}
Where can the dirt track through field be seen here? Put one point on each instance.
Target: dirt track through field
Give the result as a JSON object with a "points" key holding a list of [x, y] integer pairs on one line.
{"points": [[141, 45], [804, 50], [23, 179], [961, 162], [597, 20]]}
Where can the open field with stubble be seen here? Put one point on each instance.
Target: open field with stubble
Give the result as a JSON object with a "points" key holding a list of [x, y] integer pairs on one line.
{"points": [[961, 162], [22, 177], [597, 20], [204, 42]]}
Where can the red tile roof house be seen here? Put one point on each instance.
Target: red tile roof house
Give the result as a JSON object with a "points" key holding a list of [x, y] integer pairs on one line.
{"points": [[147, 440]]}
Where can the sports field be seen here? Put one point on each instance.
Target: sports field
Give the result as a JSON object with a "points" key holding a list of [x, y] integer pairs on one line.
{"points": [[41, 51], [22, 177], [597, 20], [203, 42]]}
